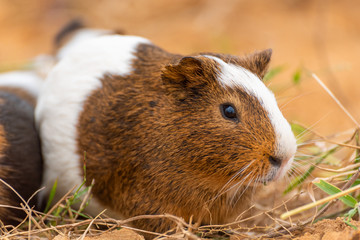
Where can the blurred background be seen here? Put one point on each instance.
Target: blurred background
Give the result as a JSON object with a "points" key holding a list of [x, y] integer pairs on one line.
{"points": [[320, 36]]}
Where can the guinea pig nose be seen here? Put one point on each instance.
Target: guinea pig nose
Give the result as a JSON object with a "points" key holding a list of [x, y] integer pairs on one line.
{"points": [[275, 161]]}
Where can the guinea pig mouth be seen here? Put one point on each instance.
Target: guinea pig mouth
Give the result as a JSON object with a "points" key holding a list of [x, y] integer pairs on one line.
{"points": [[284, 168], [278, 172]]}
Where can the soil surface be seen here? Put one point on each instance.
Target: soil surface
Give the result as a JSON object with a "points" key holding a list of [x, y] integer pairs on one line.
{"points": [[330, 230], [327, 229], [320, 36], [123, 234]]}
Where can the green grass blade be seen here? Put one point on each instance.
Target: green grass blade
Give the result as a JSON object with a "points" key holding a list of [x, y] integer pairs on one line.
{"points": [[300, 179], [349, 215], [331, 190], [297, 76], [298, 130], [80, 214], [51, 196], [350, 225]]}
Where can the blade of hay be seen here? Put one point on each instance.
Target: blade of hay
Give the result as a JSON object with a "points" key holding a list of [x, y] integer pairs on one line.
{"points": [[335, 99], [331, 190], [319, 202]]}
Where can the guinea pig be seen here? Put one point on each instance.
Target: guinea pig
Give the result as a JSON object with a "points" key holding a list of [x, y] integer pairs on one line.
{"points": [[161, 132], [20, 153]]}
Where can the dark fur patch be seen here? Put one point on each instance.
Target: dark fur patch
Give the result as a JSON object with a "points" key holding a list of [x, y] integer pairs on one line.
{"points": [[67, 30], [174, 156], [20, 155], [71, 29], [24, 95]]}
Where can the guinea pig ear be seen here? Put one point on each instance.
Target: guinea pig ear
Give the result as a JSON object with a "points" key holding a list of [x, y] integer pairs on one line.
{"points": [[258, 62], [68, 29], [185, 77]]}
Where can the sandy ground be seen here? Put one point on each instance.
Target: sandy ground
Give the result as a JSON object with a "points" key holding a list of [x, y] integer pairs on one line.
{"points": [[325, 230], [320, 36], [330, 230]]}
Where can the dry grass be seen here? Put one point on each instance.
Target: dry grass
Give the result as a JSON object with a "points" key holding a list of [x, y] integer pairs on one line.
{"points": [[334, 159]]}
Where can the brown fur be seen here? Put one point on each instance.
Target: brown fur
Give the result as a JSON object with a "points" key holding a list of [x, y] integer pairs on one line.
{"points": [[156, 141], [20, 155]]}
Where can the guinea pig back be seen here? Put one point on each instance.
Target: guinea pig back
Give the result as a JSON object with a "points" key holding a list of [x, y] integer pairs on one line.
{"points": [[160, 132]]}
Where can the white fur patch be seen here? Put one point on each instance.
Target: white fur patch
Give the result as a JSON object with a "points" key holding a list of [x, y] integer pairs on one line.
{"points": [[28, 81], [79, 37], [232, 75], [61, 102]]}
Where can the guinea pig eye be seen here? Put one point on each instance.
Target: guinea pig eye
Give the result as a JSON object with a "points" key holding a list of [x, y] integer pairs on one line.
{"points": [[229, 112]]}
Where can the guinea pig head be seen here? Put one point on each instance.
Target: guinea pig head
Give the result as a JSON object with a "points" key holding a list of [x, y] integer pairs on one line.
{"points": [[232, 131]]}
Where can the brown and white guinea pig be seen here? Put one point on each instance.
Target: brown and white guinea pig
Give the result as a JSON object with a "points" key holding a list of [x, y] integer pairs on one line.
{"points": [[20, 153], [161, 132]]}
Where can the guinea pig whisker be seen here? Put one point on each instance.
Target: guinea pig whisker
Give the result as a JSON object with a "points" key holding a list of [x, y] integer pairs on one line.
{"points": [[282, 106], [236, 186], [297, 172], [303, 135], [301, 151], [309, 129], [302, 155], [256, 184], [296, 165], [305, 158], [223, 189], [251, 180], [308, 142], [306, 130], [238, 196], [235, 176], [294, 172]]}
